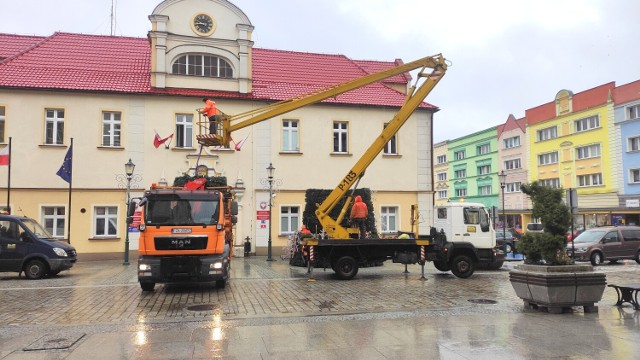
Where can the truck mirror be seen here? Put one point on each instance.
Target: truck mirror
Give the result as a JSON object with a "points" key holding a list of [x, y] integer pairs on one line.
{"points": [[234, 208], [131, 209], [129, 220]]}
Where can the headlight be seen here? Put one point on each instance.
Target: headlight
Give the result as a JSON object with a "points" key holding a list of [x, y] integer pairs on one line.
{"points": [[581, 249], [144, 267], [60, 252], [217, 265]]}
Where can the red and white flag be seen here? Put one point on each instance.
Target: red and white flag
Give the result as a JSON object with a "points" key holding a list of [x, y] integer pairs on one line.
{"points": [[157, 141], [4, 156], [241, 142]]}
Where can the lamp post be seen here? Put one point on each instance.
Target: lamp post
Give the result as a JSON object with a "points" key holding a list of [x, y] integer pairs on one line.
{"points": [[503, 179], [128, 169], [270, 171]]}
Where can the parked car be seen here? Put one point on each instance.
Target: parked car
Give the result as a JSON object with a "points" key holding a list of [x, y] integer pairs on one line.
{"points": [[607, 243], [506, 243], [535, 228], [25, 246], [513, 232], [576, 232]]}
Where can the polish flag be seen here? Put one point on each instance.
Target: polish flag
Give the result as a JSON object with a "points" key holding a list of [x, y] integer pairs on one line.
{"points": [[4, 156], [157, 141], [241, 142]]}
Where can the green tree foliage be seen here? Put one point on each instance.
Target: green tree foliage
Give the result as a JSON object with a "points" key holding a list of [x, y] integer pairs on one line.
{"points": [[548, 247], [313, 197]]}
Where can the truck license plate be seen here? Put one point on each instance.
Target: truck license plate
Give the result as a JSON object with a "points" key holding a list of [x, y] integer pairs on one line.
{"points": [[181, 231]]}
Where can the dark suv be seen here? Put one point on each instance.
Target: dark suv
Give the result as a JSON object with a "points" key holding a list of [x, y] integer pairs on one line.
{"points": [[610, 243], [25, 246]]}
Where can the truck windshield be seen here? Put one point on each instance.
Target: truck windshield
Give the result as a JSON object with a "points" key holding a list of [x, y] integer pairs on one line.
{"points": [[178, 211]]}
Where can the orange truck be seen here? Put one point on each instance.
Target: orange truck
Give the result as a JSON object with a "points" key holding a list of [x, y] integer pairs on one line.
{"points": [[186, 232]]}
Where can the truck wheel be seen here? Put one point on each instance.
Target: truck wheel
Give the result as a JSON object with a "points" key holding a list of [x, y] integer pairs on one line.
{"points": [[495, 265], [35, 269], [462, 266], [346, 268], [441, 265], [147, 286]]}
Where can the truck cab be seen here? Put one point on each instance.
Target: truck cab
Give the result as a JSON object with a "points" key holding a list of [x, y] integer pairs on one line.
{"points": [[465, 222]]}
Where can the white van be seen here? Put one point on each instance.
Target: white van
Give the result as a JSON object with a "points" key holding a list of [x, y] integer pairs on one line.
{"points": [[535, 228]]}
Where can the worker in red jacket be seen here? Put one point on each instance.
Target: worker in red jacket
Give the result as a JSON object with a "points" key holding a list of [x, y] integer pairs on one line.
{"points": [[210, 110], [359, 213]]}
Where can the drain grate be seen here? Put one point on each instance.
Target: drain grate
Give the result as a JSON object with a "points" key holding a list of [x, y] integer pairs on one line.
{"points": [[482, 301], [202, 307], [54, 342]]}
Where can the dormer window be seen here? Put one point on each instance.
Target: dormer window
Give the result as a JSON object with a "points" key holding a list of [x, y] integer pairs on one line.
{"points": [[202, 65]]}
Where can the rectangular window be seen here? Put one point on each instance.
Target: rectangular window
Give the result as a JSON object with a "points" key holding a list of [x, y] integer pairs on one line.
{"points": [[461, 174], [589, 180], [105, 221], [2, 124], [340, 137], [633, 112], [442, 176], [511, 142], [552, 183], [442, 194], [184, 130], [391, 147], [512, 164], [483, 149], [441, 159], [589, 151], [53, 219], [589, 123], [111, 123], [547, 134], [459, 155], [512, 187], [548, 158], [53, 126], [484, 190], [289, 219], [290, 135], [484, 170], [634, 144], [461, 192], [389, 219], [634, 176]]}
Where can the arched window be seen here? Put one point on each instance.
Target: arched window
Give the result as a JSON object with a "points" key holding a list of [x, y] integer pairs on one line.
{"points": [[202, 65]]}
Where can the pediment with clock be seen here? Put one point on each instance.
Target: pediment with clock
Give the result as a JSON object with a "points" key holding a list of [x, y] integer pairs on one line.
{"points": [[200, 44]]}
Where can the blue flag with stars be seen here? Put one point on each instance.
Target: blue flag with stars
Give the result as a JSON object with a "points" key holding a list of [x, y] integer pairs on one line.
{"points": [[65, 170]]}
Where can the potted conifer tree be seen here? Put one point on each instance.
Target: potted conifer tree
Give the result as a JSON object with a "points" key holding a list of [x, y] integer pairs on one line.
{"points": [[549, 278]]}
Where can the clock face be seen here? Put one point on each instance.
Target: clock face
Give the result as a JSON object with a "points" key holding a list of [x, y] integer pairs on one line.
{"points": [[203, 24]]}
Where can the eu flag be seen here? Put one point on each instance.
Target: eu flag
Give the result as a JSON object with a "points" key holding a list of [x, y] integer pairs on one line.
{"points": [[65, 170]]}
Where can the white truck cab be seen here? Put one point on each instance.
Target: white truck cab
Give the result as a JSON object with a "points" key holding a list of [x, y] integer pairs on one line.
{"points": [[466, 222]]}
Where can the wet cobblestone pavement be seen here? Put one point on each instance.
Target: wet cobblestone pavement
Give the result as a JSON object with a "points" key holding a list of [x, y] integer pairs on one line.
{"points": [[270, 310]]}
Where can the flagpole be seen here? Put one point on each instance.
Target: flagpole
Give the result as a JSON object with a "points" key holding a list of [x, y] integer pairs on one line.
{"points": [[9, 179], [69, 206]]}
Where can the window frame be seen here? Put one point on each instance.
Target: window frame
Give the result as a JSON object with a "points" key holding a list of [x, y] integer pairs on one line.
{"points": [[461, 192], [443, 194], [389, 215], [3, 122], [107, 217], [547, 133], [551, 161], [115, 129], [290, 135], [632, 112], [586, 124], [511, 142], [485, 190], [510, 164], [484, 169], [483, 149], [184, 130], [340, 137], [460, 172], [441, 159], [55, 134], [460, 155], [588, 151], [633, 144], [55, 219], [202, 66], [634, 176], [587, 180], [552, 182], [290, 218], [513, 187]]}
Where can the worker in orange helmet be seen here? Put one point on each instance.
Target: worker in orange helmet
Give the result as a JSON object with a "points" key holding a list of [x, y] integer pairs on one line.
{"points": [[359, 213], [305, 230], [210, 110]]}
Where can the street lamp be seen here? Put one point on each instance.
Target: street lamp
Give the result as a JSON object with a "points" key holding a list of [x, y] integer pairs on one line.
{"points": [[128, 169], [503, 179], [270, 171]]}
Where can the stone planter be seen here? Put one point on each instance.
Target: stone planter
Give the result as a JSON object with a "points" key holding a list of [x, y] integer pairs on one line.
{"points": [[558, 287]]}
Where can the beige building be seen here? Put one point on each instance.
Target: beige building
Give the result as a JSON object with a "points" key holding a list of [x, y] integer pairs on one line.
{"points": [[112, 94]]}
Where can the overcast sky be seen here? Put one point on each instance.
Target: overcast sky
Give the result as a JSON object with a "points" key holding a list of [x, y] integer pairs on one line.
{"points": [[507, 55]]}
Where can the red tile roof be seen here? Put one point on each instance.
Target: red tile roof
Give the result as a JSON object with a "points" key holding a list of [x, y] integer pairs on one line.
{"points": [[78, 62], [584, 100], [626, 93]]}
